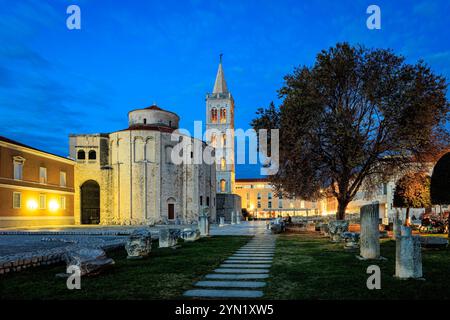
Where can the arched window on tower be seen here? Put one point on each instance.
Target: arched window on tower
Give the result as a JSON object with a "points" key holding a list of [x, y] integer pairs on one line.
{"points": [[214, 115], [213, 140], [81, 155], [223, 164], [92, 155], [223, 115], [223, 185]]}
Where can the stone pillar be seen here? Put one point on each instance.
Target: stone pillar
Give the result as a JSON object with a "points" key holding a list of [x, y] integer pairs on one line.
{"points": [[397, 224], [203, 224], [238, 218], [233, 217], [221, 221], [370, 233], [408, 257]]}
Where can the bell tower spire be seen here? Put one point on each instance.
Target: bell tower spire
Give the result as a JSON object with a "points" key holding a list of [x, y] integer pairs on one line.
{"points": [[220, 124], [220, 86]]}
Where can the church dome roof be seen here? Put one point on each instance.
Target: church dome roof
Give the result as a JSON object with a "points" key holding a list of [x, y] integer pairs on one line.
{"points": [[152, 116]]}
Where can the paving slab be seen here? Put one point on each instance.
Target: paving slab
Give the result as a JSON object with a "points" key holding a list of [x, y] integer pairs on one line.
{"points": [[245, 265], [247, 261], [212, 293], [227, 276], [251, 258], [247, 270], [231, 284]]}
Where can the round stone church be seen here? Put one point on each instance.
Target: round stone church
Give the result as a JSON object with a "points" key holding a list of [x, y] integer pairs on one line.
{"points": [[128, 176]]}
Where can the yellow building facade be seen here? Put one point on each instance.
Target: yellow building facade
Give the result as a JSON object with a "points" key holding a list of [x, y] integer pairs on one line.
{"points": [[261, 201]]}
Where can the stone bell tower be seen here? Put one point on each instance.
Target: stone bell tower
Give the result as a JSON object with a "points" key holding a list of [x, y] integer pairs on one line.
{"points": [[220, 120]]}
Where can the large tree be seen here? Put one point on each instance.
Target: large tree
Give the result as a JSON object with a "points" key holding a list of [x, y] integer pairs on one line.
{"points": [[354, 117]]}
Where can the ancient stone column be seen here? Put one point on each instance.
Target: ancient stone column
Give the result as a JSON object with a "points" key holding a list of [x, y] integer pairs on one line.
{"points": [[370, 234], [408, 257], [233, 217], [221, 221], [203, 225], [238, 218]]}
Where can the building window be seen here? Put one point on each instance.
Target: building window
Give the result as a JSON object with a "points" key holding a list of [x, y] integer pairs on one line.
{"points": [[43, 175], [214, 115], [259, 195], [17, 200], [223, 164], [302, 204], [42, 201], [92, 155], [207, 201], [280, 203], [223, 115], [81, 155], [269, 204], [224, 140], [145, 121], [269, 196], [62, 202], [248, 195], [259, 204], [18, 168], [62, 179], [213, 140], [170, 124], [201, 200], [223, 185]]}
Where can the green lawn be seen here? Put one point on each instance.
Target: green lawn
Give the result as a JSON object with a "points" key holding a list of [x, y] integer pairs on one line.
{"points": [[310, 267], [166, 274]]}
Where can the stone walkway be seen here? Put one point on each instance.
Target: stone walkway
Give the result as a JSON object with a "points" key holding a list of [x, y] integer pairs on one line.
{"points": [[242, 275]]}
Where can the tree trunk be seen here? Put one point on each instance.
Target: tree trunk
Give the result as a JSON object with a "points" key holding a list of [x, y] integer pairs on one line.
{"points": [[407, 218], [342, 206]]}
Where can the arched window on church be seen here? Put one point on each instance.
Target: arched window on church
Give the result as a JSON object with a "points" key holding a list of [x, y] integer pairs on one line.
{"points": [[92, 155], [223, 164], [81, 155], [214, 115], [223, 115], [223, 185]]}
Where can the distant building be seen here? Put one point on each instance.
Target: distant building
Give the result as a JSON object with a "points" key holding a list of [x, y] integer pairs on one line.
{"points": [[260, 200], [36, 187], [128, 176]]}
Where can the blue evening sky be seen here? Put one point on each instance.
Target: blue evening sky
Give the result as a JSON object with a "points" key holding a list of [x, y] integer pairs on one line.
{"points": [[130, 54]]}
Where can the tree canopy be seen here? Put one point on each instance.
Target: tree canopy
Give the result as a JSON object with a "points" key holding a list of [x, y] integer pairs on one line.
{"points": [[413, 191], [355, 116]]}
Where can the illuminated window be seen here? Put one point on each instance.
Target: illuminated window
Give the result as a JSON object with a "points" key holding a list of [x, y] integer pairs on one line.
{"points": [[62, 202], [223, 185], [17, 200], [213, 140], [214, 115], [42, 201], [43, 175], [223, 164], [62, 179], [81, 155], [223, 115]]}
